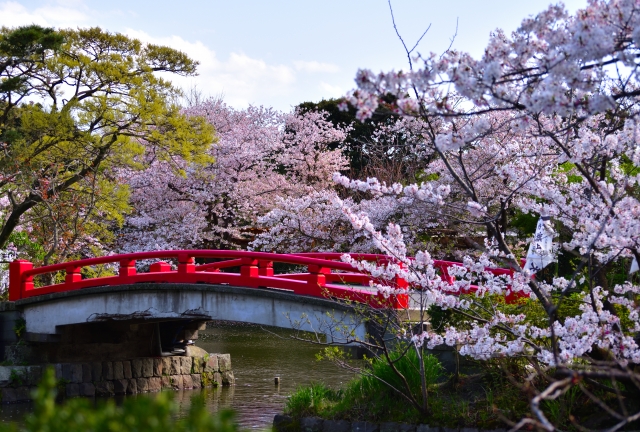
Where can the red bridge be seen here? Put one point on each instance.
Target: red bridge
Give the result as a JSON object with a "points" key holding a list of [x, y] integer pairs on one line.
{"points": [[138, 314], [326, 275]]}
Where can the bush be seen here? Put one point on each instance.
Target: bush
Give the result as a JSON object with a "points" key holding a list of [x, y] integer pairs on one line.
{"points": [[158, 414], [371, 396], [312, 400], [481, 400]]}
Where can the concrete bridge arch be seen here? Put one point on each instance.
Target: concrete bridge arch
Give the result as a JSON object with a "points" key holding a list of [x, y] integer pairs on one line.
{"points": [[117, 321]]}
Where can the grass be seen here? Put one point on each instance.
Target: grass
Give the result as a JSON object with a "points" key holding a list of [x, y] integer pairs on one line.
{"points": [[478, 400], [312, 400], [481, 400], [369, 396]]}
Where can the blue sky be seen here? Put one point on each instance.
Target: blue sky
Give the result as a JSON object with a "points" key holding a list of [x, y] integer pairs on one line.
{"points": [[280, 53]]}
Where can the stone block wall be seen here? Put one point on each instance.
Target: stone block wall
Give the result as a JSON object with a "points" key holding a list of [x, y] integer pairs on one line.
{"points": [[283, 423], [108, 378]]}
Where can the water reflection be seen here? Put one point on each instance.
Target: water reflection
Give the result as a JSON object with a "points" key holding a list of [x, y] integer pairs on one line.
{"points": [[257, 356]]}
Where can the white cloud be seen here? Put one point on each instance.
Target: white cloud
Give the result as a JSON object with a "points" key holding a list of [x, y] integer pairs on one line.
{"points": [[61, 14], [241, 79], [14, 14], [314, 66], [332, 91]]}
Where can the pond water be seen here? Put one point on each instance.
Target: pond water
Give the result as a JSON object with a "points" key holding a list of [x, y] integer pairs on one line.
{"points": [[257, 357]]}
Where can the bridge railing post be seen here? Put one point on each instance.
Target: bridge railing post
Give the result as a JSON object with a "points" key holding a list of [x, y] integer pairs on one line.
{"points": [[513, 297], [265, 268], [249, 268], [72, 275], [444, 273], [127, 268], [317, 279], [18, 283], [401, 282], [186, 264]]}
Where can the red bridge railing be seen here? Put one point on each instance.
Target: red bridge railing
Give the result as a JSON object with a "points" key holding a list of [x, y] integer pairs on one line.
{"points": [[326, 275]]}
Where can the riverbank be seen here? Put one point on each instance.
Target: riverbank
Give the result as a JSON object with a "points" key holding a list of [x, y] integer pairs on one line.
{"points": [[195, 370], [258, 355], [284, 423]]}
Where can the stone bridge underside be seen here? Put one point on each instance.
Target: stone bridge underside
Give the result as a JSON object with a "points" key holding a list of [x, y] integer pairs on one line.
{"points": [[148, 303]]}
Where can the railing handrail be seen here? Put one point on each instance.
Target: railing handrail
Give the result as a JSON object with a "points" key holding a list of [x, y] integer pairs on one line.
{"points": [[304, 258], [193, 253], [381, 258], [386, 258]]}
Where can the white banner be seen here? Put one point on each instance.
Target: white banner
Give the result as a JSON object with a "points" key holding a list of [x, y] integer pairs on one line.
{"points": [[541, 252], [634, 266]]}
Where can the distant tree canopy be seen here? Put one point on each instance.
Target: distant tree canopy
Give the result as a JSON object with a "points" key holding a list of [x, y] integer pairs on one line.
{"points": [[76, 108], [371, 145], [359, 135]]}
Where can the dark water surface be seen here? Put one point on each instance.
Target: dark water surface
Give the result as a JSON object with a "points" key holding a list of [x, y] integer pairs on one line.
{"points": [[257, 356]]}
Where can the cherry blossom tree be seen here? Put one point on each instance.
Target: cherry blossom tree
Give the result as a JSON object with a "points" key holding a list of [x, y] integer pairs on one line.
{"points": [[261, 156], [316, 223], [545, 123]]}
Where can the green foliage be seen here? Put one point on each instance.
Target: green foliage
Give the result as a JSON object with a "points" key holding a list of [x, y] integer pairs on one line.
{"points": [[569, 169], [61, 156], [61, 385], [482, 400], [498, 389], [19, 327], [145, 414], [207, 380], [29, 40], [27, 247], [628, 167], [380, 374], [23, 47], [559, 410], [312, 400], [573, 407], [525, 223], [421, 177], [533, 311], [15, 378], [370, 396], [439, 318]]}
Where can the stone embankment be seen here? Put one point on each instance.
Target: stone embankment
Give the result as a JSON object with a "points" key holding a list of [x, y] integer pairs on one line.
{"points": [[283, 423], [108, 378], [314, 424]]}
